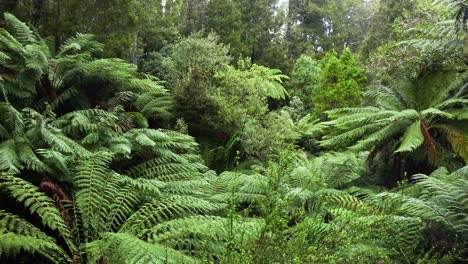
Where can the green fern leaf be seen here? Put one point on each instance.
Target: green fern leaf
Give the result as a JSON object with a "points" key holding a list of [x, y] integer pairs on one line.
{"points": [[412, 139]]}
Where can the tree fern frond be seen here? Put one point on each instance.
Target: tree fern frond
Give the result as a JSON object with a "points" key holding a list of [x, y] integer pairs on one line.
{"points": [[16, 231], [9, 160], [386, 97], [159, 211], [154, 104], [349, 136], [380, 135], [347, 201], [63, 97], [433, 112], [130, 194], [125, 248], [347, 111], [452, 103], [361, 119], [92, 180], [237, 187], [12, 244], [440, 199], [80, 43], [205, 235], [27, 156], [10, 223], [12, 119], [19, 30], [458, 114], [37, 203], [412, 139], [457, 139]]}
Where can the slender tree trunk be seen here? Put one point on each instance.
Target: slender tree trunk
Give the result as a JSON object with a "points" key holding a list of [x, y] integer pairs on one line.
{"points": [[36, 14], [134, 50]]}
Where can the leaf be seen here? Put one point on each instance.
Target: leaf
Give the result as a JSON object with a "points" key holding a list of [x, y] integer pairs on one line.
{"points": [[145, 140], [412, 139]]}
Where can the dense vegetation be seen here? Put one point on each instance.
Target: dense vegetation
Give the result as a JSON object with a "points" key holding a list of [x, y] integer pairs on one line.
{"points": [[234, 131]]}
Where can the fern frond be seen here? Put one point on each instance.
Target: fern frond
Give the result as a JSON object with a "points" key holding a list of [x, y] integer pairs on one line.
{"points": [[94, 188], [19, 30], [12, 119], [380, 135], [349, 136], [205, 235], [9, 160], [37, 203], [237, 187], [458, 114], [125, 248], [122, 207], [155, 104], [10, 223], [457, 139], [412, 139], [17, 235], [12, 244], [79, 44], [162, 210]]}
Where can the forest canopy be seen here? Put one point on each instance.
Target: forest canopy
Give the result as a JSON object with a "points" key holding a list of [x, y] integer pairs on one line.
{"points": [[234, 131]]}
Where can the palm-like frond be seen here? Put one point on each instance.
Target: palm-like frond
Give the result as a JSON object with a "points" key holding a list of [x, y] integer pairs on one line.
{"points": [[27, 134], [412, 139], [34, 78], [407, 112], [14, 244], [19, 235], [125, 248], [204, 236], [440, 198], [37, 203], [238, 187], [105, 201]]}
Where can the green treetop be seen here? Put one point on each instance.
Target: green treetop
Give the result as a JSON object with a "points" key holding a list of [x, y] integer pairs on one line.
{"points": [[341, 82]]}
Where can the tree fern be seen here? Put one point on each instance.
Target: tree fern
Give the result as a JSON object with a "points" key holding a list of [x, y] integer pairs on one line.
{"points": [[105, 201], [237, 187], [205, 236], [14, 244], [37, 203], [94, 189], [124, 248], [438, 200], [445, 196], [17, 235], [36, 79], [162, 210], [27, 134], [410, 120]]}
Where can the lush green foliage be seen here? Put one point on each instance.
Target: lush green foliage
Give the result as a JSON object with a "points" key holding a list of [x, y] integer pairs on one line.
{"points": [[305, 76], [341, 81], [203, 150]]}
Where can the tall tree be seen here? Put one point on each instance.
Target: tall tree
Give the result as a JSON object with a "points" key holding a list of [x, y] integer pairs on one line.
{"points": [[193, 14], [381, 27], [224, 18], [120, 25], [319, 25], [258, 26], [304, 26], [341, 82]]}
